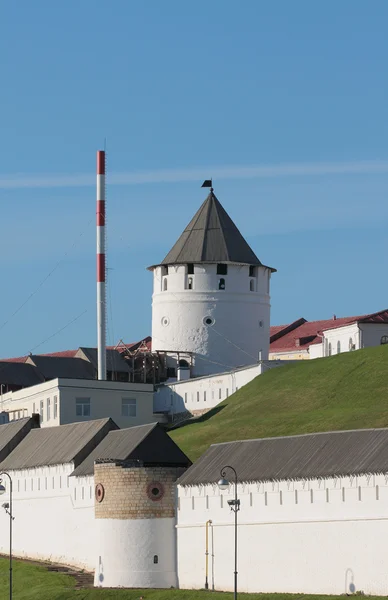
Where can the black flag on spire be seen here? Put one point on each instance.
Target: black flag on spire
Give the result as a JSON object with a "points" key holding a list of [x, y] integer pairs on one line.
{"points": [[207, 183]]}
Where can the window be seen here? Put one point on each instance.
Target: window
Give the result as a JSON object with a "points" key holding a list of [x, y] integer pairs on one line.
{"points": [[221, 284], [164, 270], [190, 283], [185, 397], [208, 321], [384, 339], [165, 284], [219, 394], [197, 396], [41, 410], [156, 559], [190, 269], [222, 269], [252, 271], [82, 407], [33, 408], [338, 347], [48, 408], [204, 396], [128, 407], [252, 285], [227, 392], [55, 407], [350, 344], [171, 372], [329, 348]]}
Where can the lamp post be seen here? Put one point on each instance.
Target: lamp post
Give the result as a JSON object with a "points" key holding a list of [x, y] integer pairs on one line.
{"points": [[8, 509], [223, 484]]}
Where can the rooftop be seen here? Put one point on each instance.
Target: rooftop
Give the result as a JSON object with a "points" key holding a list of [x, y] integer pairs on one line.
{"points": [[211, 237], [309, 456]]}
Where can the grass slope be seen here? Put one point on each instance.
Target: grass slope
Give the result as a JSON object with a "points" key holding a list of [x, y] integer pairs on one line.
{"points": [[348, 391], [32, 582]]}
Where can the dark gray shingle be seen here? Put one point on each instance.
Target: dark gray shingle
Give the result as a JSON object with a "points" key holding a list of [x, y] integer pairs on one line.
{"points": [[12, 433], [337, 453], [53, 367]]}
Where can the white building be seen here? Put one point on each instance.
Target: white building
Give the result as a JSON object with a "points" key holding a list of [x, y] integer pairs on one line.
{"points": [[61, 401], [303, 339], [211, 297]]}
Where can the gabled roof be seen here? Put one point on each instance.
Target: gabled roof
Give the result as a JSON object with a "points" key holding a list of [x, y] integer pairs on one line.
{"points": [[211, 237], [53, 367], [333, 454], [149, 444], [12, 433], [114, 360], [296, 337], [58, 445]]}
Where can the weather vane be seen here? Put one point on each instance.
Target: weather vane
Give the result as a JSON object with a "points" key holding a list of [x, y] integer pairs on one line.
{"points": [[208, 183]]}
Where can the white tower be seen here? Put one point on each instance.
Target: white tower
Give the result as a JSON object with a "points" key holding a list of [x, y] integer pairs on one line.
{"points": [[211, 300]]}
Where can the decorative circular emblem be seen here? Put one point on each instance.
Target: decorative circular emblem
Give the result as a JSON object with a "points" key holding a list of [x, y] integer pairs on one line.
{"points": [[165, 321], [100, 492], [155, 491]]}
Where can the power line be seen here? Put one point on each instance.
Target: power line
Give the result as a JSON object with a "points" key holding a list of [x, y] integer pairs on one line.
{"points": [[59, 330]]}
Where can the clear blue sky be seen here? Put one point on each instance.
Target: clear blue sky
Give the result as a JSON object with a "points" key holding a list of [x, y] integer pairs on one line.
{"points": [[283, 103]]}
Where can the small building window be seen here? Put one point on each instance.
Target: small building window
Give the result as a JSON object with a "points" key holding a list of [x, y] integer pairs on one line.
{"points": [[219, 394], [221, 284], [48, 408], [227, 392], [329, 348], [82, 407], [252, 285], [190, 269], [156, 559], [165, 284], [252, 271], [128, 407], [55, 407], [338, 347], [190, 283], [350, 344], [204, 396], [33, 408], [164, 270], [185, 397], [41, 410], [222, 269], [384, 339], [197, 396]]}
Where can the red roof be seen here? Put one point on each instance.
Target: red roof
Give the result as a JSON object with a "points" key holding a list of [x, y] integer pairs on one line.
{"points": [[301, 337]]}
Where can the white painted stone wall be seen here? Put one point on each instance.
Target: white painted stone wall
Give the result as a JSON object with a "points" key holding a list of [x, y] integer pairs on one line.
{"points": [[204, 393], [323, 536], [316, 351], [54, 516], [371, 333], [105, 401], [240, 328], [343, 335]]}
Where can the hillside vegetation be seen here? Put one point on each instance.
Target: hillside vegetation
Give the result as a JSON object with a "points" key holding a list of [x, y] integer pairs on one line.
{"points": [[348, 391]]}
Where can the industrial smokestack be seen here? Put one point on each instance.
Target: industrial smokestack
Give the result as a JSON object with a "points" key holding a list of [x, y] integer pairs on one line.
{"points": [[101, 267]]}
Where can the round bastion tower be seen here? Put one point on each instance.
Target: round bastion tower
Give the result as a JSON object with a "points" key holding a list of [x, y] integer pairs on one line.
{"points": [[211, 297]]}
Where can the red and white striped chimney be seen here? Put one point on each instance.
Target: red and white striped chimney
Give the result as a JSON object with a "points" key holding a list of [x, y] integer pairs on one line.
{"points": [[101, 267]]}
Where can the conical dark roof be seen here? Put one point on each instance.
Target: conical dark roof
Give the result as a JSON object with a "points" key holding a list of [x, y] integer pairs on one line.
{"points": [[211, 237]]}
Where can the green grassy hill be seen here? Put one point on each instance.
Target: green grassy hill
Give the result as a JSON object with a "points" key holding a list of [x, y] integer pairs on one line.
{"points": [[349, 391]]}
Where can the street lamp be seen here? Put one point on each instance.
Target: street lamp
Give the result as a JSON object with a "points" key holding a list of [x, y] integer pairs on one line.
{"points": [[234, 504], [8, 509]]}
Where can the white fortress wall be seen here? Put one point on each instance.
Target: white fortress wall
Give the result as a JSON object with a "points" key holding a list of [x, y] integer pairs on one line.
{"points": [[322, 536]]}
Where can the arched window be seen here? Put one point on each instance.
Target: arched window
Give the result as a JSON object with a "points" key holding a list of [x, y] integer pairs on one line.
{"points": [[190, 283], [338, 347], [165, 284], [183, 363], [221, 284], [252, 285], [329, 348], [384, 339], [350, 344]]}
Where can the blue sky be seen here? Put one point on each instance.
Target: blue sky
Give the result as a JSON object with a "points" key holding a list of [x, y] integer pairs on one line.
{"points": [[283, 103]]}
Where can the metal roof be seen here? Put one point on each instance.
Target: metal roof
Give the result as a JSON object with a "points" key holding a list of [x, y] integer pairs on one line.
{"points": [[333, 454], [114, 360], [19, 374], [211, 237], [58, 445], [53, 367], [147, 443], [12, 433]]}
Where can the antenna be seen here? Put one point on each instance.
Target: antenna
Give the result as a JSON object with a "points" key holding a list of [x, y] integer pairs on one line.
{"points": [[101, 266]]}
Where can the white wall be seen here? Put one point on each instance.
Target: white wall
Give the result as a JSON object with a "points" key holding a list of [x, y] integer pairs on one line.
{"points": [[343, 335], [321, 537], [127, 546], [54, 516], [371, 333], [105, 401], [316, 351], [203, 393], [240, 315]]}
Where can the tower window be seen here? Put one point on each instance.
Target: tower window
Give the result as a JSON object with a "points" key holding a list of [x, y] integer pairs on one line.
{"points": [[156, 559], [221, 284], [252, 285], [164, 270], [252, 271], [190, 269], [165, 284], [222, 269], [190, 283]]}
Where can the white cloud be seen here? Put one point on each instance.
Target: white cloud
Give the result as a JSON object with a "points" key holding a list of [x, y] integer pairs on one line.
{"points": [[196, 173]]}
